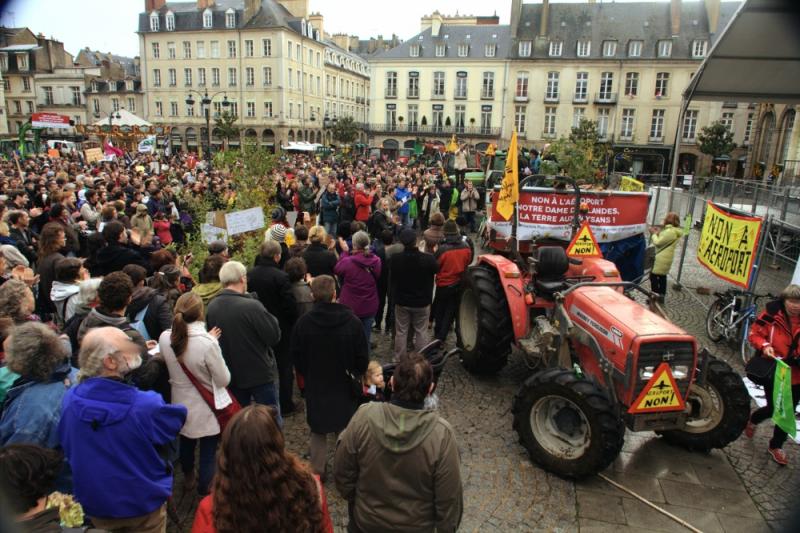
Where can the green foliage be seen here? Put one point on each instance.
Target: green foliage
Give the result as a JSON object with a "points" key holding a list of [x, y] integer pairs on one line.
{"points": [[548, 168], [581, 155], [226, 124], [345, 130], [716, 140]]}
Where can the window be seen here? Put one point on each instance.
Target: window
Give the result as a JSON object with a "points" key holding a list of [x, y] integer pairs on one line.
{"points": [[267, 75], [690, 125], [18, 109], [602, 122], [727, 121], [22, 61], [391, 116], [250, 110], [173, 109], [748, 128], [524, 49], [215, 77], [463, 50], [413, 117], [173, 77], [159, 109], [519, 118], [95, 105], [171, 54], [437, 116], [48, 95], [300, 81], [460, 116], [581, 87], [438, 84], [664, 48], [170, 20], [201, 77], [490, 50], [76, 95], [29, 105], [156, 77], [230, 18], [461, 87], [609, 48], [231, 49], [555, 48], [289, 49], [606, 86], [440, 49], [486, 120], [268, 109], [187, 50], [187, 77], [189, 110], [391, 84], [522, 85], [153, 21], [584, 47], [214, 49], [208, 19], [250, 76], [628, 115], [6, 85], [699, 48], [487, 87], [413, 51], [266, 51], [291, 79], [231, 77], [156, 51], [631, 84], [549, 121], [291, 110], [234, 109], [577, 115], [299, 58], [551, 93], [662, 85], [131, 104], [634, 48], [413, 85], [657, 125], [26, 84], [4, 62]]}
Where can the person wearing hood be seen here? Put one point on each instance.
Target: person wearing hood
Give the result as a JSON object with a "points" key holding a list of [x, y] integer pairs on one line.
{"points": [[141, 220], [328, 345], [358, 274], [117, 253], [148, 311], [415, 445], [453, 257], [209, 285], [130, 433], [64, 291]]}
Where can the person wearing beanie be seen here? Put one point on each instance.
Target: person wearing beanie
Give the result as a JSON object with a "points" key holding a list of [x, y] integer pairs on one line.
{"points": [[411, 284], [434, 234], [277, 233], [453, 257]]}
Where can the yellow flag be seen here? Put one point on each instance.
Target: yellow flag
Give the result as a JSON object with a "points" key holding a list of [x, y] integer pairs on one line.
{"points": [[509, 189], [452, 146]]}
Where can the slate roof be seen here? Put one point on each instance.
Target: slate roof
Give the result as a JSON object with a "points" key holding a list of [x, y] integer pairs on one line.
{"points": [[452, 36], [189, 18], [649, 22]]}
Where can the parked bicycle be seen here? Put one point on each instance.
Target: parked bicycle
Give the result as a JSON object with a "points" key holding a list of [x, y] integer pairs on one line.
{"points": [[729, 318]]}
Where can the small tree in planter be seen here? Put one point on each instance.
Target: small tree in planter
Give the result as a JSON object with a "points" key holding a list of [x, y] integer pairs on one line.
{"points": [[715, 140]]}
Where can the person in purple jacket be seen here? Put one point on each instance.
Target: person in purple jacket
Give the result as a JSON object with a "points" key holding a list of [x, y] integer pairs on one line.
{"points": [[358, 273]]}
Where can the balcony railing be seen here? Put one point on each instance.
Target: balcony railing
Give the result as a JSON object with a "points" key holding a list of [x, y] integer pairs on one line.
{"points": [[521, 97], [487, 95], [626, 138], [391, 94], [605, 98], [655, 139], [548, 134], [435, 96], [551, 98], [468, 131], [580, 98], [459, 95]]}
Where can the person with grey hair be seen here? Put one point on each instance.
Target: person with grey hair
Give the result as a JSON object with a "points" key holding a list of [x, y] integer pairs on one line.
{"points": [[32, 406], [358, 273], [111, 431], [87, 299], [16, 301], [249, 333]]}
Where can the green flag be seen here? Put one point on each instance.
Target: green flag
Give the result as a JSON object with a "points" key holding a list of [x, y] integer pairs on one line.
{"points": [[687, 224], [783, 411]]}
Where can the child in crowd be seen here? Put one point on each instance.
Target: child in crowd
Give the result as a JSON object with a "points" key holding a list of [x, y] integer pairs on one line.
{"points": [[373, 383]]}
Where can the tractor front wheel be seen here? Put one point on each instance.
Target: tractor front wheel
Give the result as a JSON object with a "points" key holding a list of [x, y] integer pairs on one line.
{"points": [[718, 410], [567, 423]]}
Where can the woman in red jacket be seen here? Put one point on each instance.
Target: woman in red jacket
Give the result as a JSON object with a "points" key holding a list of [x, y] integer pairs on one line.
{"points": [[363, 202], [258, 485], [776, 333]]}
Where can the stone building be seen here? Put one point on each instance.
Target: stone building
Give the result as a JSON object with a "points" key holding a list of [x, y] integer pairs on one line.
{"points": [[115, 83]]}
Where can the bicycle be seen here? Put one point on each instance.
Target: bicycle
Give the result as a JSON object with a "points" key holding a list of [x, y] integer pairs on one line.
{"points": [[729, 319]]}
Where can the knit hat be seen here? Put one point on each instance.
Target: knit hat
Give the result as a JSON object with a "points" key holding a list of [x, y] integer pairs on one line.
{"points": [[277, 214], [451, 228], [277, 232], [408, 237], [217, 247]]}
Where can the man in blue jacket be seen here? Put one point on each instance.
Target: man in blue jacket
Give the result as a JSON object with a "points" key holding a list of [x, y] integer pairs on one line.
{"points": [[114, 437]]}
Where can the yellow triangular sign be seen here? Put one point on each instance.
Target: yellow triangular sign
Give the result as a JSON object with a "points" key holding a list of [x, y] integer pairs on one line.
{"points": [[584, 244], [660, 394]]}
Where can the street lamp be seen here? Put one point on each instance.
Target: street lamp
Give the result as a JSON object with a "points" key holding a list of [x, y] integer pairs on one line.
{"points": [[328, 123], [205, 101]]}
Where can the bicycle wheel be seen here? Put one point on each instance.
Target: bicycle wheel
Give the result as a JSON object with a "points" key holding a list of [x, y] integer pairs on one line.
{"points": [[746, 348], [715, 321]]}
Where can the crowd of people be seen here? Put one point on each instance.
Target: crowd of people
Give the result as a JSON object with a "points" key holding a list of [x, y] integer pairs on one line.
{"points": [[123, 361]]}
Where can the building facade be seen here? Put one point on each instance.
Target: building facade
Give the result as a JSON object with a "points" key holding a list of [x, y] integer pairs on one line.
{"points": [[267, 60], [112, 83]]}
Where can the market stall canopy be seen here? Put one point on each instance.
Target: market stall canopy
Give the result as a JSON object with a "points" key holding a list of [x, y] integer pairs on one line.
{"points": [[302, 146], [126, 118], [757, 57]]}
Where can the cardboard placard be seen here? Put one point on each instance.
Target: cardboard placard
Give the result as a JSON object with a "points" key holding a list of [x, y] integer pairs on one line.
{"points": [[93, 154], [244, 221]]}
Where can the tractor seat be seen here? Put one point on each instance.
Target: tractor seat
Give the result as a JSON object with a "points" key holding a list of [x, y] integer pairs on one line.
{"points": [[552, 264]]}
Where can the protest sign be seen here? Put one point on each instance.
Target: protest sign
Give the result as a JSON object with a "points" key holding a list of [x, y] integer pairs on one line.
{"points": [[627, 183], [244, 221], [728, 244], [93, 154], [212, 233]]}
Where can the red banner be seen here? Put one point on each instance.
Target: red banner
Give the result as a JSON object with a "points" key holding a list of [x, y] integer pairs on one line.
{"points": [[544, 213], [50, 120]]}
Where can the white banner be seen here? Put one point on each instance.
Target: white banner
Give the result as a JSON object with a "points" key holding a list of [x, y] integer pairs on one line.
{"points": [[244, 221]]}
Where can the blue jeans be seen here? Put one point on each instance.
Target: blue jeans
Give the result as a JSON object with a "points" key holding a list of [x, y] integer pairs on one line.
{"points": [[266, 394], [404, 220], [368, 322], [208, 452], [330, 228]]}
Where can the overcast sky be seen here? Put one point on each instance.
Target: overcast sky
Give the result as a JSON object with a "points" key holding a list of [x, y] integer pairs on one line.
{"points": [[109, 25]]}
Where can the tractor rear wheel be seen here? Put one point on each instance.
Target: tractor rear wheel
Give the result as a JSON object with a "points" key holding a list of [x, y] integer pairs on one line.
{"points": [[719, 410], [567, 423], [483, 323]]}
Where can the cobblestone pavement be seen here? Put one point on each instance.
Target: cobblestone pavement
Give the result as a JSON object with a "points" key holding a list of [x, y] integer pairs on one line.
{"points": [[504, 491]]}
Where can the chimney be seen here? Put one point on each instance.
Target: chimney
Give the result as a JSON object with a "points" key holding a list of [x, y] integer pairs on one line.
{"points": [[154, 5], [316, 20], [712, 12], [675, 16], [516, 13], [545, 15], [298, 8], [202, 4], [251, 8], [436, 24]]}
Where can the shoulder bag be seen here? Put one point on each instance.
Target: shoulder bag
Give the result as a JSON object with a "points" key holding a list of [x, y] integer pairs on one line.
{"points": [[223, 415]]}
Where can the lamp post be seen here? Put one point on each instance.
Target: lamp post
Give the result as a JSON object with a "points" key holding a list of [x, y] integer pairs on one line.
{"points": [[205, 102], [328, 123]]}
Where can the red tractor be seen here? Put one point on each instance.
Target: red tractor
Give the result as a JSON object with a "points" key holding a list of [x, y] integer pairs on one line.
{"points": [[601, 360]]}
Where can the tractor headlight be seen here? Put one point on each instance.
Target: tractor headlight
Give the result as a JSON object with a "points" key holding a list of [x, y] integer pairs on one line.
{"points": [[680, 371], [645, 373]]}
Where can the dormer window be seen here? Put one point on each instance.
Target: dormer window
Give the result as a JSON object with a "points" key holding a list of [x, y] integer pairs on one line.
{"points": [[664, 48], [129, 85], [94, 86], [440, 48], [490, 50], [609, 48], [22, 61], [584, 47], [170, 20], [699, 48], [555, 48], [153, 21], [463, 50], [230, 18], [303, 28], [208, 19]]}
